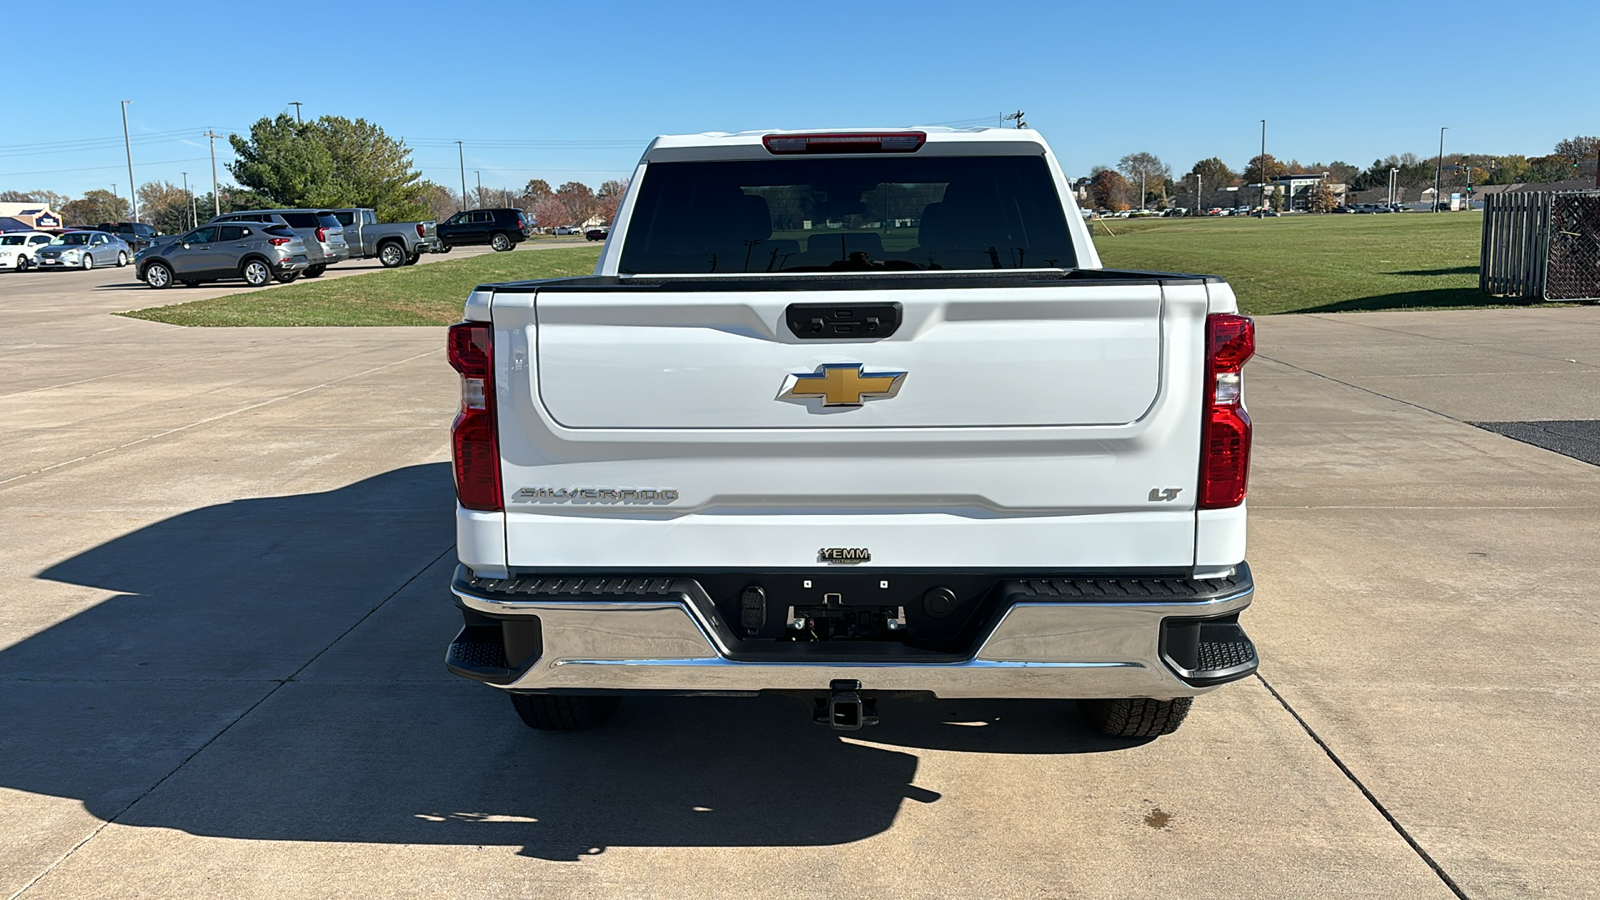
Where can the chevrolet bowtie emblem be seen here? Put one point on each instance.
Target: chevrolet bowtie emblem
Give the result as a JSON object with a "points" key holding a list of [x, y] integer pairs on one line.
{"points": [[842, 384]]}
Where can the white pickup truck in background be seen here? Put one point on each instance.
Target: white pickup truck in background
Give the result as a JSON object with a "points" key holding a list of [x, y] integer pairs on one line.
{"points": [[849, 415]]}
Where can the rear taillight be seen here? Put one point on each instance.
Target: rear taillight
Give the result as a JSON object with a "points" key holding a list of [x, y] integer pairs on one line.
{"points": [[278, 242], [420, 232], [1225, 429], [322, 234], [475, 447], [894, 142]]}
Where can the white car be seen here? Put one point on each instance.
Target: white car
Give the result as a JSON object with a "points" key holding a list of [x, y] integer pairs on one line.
{"points": [[17, 249]]}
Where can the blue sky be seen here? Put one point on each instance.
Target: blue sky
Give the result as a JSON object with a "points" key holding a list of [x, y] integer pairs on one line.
{"points": [[574, 90]]}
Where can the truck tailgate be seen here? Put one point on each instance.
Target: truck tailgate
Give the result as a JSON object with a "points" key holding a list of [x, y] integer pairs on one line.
{"points": [[1055, 356], [1054, 425]]}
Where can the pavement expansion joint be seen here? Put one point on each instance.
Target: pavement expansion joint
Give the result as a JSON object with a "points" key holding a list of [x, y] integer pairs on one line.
{"points": [[1372, 798]]}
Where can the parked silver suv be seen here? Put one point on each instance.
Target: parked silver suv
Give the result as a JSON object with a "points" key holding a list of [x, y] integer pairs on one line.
{"points": [[254, 251], [319, 229]]}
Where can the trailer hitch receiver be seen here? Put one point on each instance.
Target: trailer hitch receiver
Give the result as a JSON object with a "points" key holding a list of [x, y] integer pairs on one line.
{"points": [[847, 708]]}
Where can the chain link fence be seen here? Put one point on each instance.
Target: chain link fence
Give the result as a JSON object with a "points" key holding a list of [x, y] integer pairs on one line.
{"points": [[1541, 245]]}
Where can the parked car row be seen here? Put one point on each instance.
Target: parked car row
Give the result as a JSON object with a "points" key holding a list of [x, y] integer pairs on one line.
{"points": [[266, 245], [76, 249]]}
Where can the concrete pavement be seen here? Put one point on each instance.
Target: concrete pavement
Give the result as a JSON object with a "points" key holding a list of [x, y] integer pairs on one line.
{"points": [[223, 557]]}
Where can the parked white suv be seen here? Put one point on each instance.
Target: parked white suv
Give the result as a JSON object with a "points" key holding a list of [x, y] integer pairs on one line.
{"points": [[848, 415], [18, 248]]}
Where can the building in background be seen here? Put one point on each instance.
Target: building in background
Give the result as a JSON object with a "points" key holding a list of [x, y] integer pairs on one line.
{"points": [[32, 215]]}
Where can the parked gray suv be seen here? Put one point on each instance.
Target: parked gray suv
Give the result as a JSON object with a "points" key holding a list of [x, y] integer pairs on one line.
{"points": [[318, 228], [254, 251]]}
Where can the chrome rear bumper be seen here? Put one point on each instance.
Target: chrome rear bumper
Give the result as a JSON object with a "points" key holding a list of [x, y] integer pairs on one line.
{"points": [[1034, 648]]}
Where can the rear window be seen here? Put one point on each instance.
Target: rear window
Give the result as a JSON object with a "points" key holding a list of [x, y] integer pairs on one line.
{"points": [[847, 215], [345, 218], [328, 220], [302, 219], [278, 231]]}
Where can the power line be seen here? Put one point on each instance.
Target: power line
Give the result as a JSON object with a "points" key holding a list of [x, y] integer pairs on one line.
{"points": [[98, 168]]}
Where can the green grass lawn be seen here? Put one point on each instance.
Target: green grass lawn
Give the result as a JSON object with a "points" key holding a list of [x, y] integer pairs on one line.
{"points": [[1313, 263], [1291, 264], [428, 294]]}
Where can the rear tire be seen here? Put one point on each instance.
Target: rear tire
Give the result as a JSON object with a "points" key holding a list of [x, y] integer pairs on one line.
{"points": [[391, 255], [413, 259], [287, 277], [191, 284], [158, 276], [500, 242], [315, 271], [1135, 718], [548, 712], [256, 273]]}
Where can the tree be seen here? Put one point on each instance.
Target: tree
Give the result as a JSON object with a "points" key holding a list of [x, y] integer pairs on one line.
{"points": [[1340, 172], [548, 212], [44, 198], [609, 197], [1545, 169], [1320, 198], [1581, 148], [1275, 198], [1147, 169], [285, 163], [166, 206], [370, 168], [439, 201], [1109, 189], [1214, 176], [332, 161], [1253, 169], [579, 201], [95, 207]]}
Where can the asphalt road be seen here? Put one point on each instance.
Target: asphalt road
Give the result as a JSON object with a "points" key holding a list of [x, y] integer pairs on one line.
{"points": [[223, 566]]}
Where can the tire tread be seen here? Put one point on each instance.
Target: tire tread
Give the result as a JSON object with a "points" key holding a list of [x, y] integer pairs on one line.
{"points": [[1137, 717], [548, 712]]}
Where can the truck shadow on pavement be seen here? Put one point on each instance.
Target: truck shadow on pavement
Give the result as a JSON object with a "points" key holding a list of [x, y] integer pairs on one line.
{"points": [[272, 669]]}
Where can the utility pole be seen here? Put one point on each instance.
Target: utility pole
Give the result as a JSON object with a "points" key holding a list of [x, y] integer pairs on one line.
{"points": [[133, 189], [1017, 117], [480, 184], [1263, 167], [296, 105], [461, 155], [216, 198]]}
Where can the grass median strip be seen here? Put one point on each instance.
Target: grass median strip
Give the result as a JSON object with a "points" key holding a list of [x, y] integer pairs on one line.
{"points": [[428, 294], [1290, 264]]}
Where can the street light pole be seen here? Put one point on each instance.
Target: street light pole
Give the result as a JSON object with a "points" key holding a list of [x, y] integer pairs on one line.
{"points": [[1438, 170], [1141, 191], [461, 155], [1263, 167], [133, 189], [186, 193], [479, 174]]}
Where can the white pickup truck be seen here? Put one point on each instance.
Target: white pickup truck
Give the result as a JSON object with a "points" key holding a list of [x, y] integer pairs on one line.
{"points": [[845, 416]]}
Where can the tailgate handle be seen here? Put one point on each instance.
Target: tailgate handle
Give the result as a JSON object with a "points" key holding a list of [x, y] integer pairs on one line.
{"points": [[842, 321]]}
